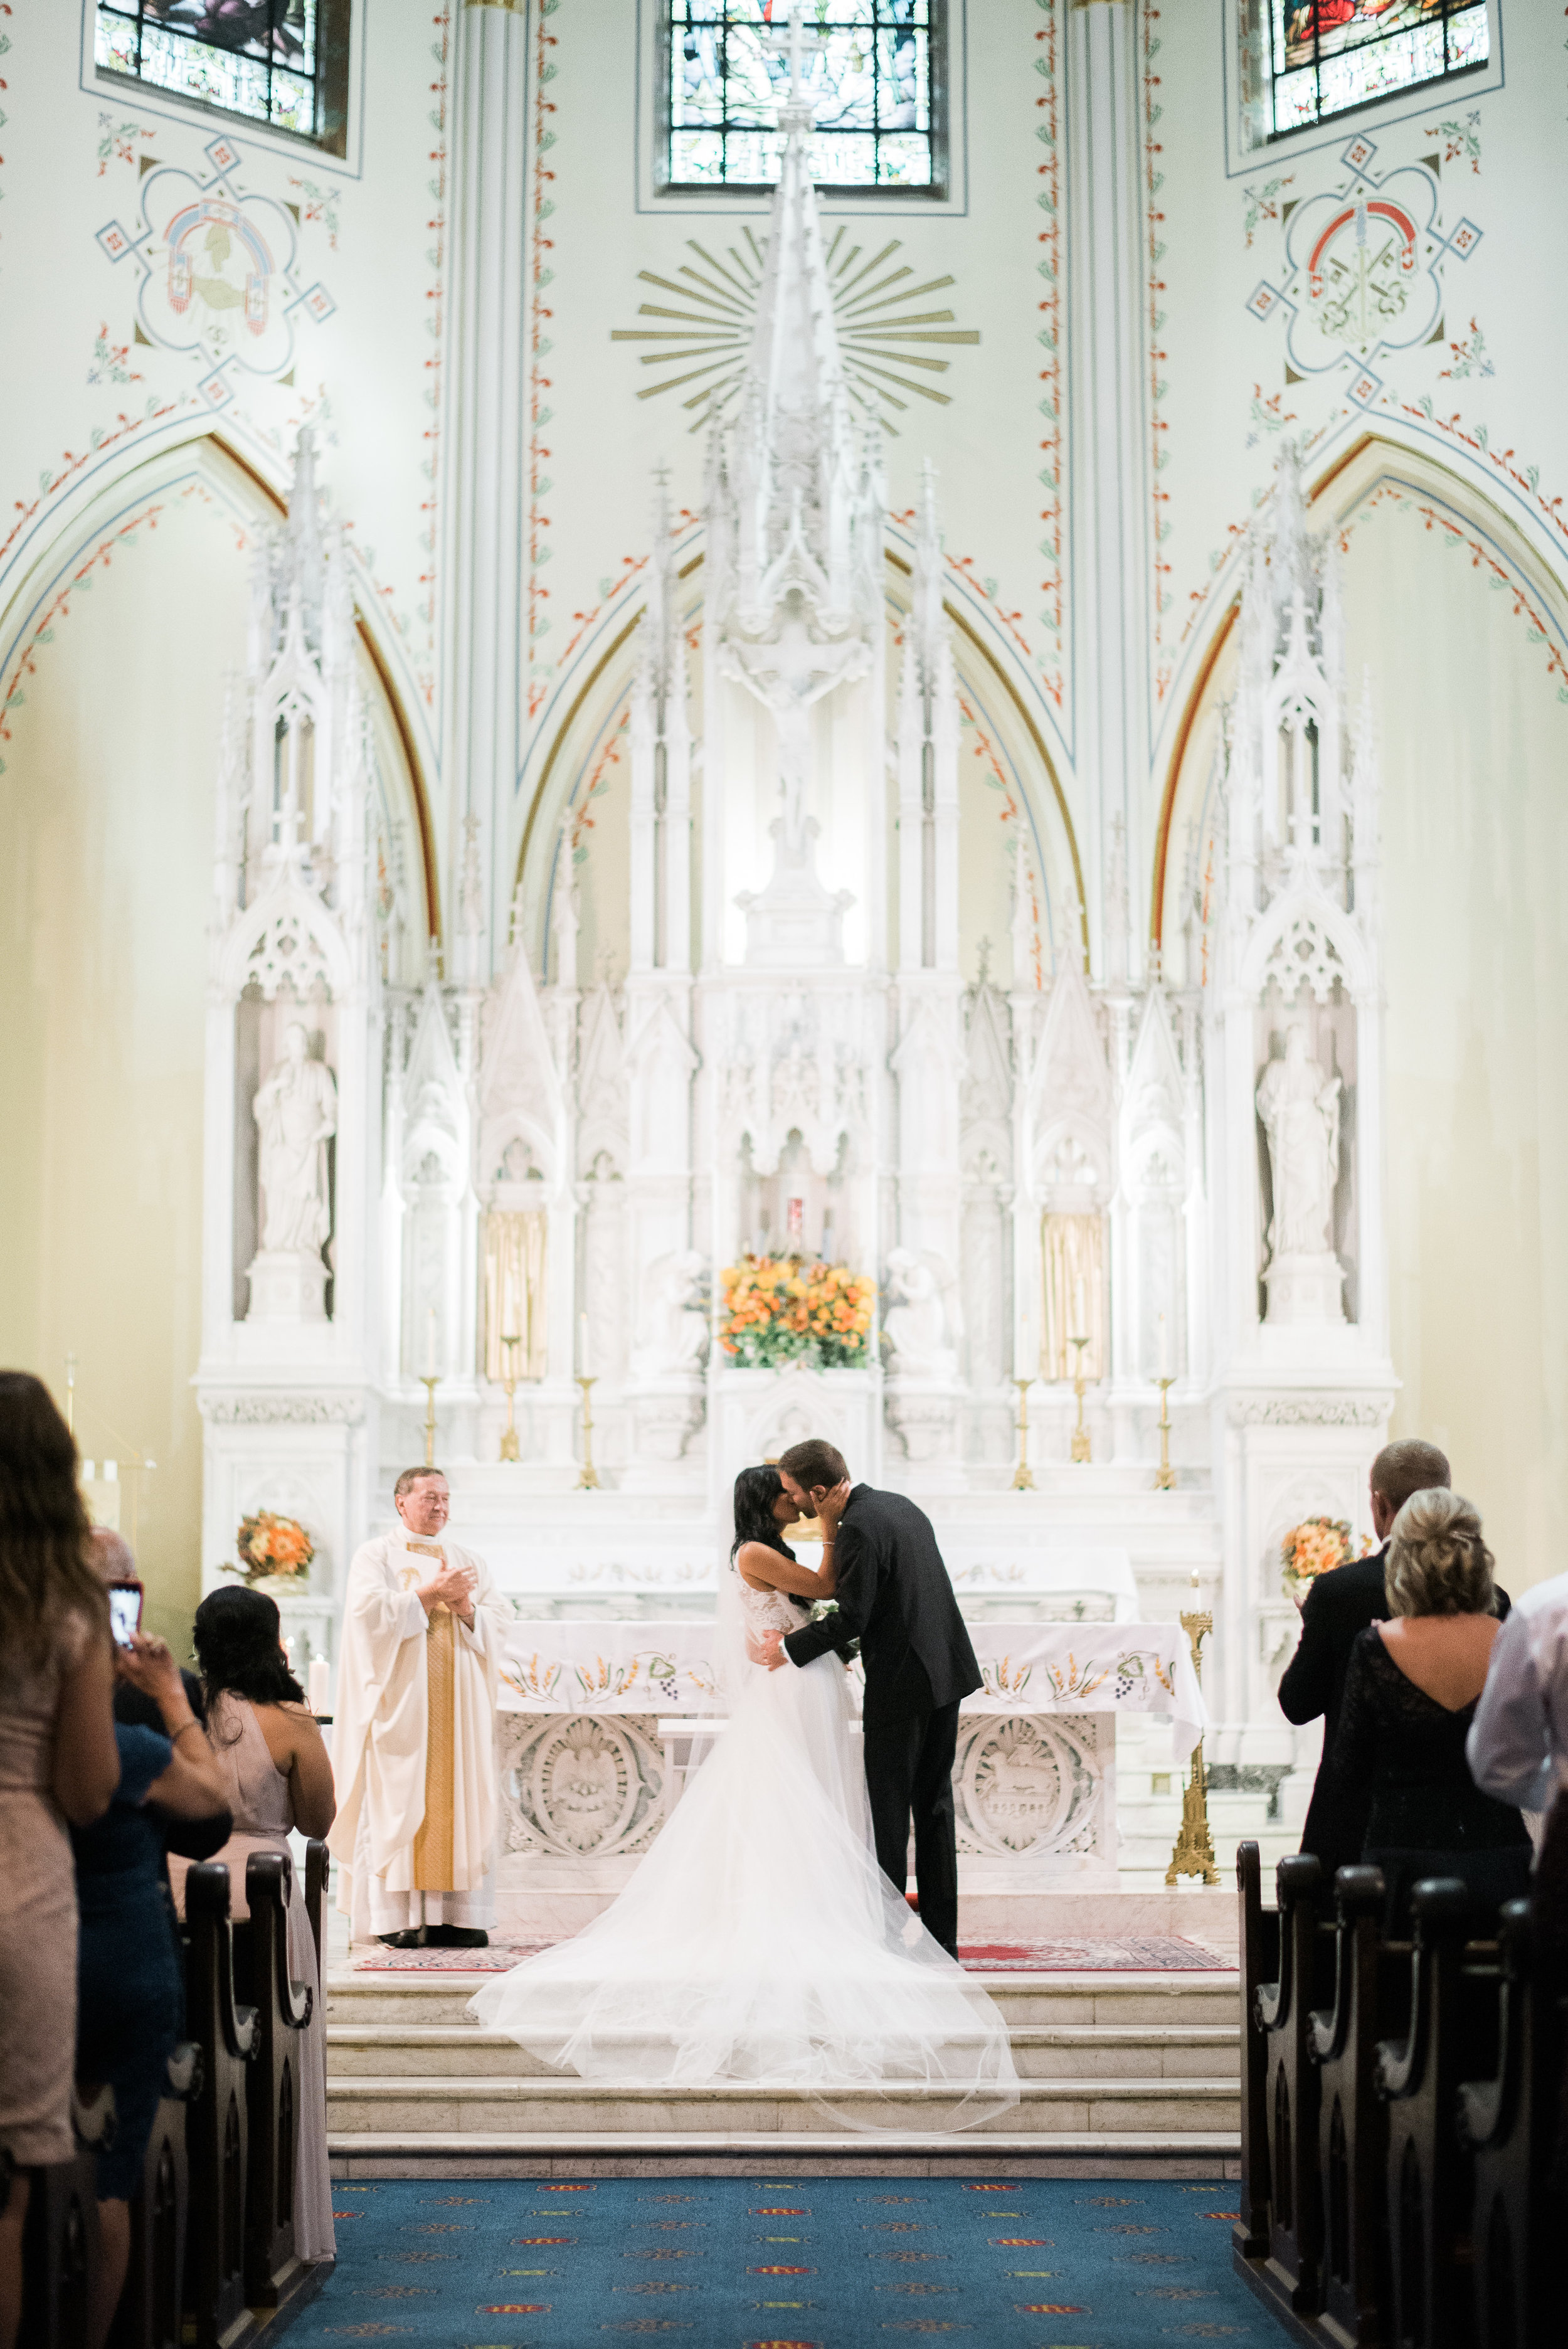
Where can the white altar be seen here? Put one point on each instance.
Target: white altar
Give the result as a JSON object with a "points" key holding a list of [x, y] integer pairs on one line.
{"points": [[827, 1006], [601, 1722]]}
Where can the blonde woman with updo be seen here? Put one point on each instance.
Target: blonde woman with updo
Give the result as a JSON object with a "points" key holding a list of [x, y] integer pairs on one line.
{"points": [[1410, 1695]]}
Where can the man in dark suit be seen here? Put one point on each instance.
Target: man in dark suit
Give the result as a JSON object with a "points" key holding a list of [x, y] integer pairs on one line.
{"points": [[1338, 1607], [895, 1597]]}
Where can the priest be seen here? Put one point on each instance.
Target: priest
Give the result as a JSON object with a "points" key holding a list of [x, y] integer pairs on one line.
{"points": [[414, 1737]]}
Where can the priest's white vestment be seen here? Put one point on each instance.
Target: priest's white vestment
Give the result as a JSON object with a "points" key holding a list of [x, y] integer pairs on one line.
{"points": [[413, 1748]]}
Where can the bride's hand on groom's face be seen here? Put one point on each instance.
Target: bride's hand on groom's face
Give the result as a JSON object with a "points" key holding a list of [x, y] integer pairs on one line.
{"points": [[829, 1503]]}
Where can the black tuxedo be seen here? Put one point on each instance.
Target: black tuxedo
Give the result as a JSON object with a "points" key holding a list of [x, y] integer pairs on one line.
{"points": [[1338, 1607], [895, 1597]]}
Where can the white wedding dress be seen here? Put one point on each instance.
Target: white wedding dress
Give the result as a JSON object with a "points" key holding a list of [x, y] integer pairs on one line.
{"points": [[759, 1939]]}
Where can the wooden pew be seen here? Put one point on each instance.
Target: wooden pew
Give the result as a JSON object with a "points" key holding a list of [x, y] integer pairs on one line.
{"points": [[273, 2269], [150, 2311], [1259, 1963], [1291, 2273], [1371, 1986], [60, 2235], [216, 2120], [1508, 2122], [1425, 2166]]}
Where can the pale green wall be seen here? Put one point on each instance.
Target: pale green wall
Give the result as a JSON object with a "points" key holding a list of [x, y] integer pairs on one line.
{"points": [[106, 830], [1474, 744]]}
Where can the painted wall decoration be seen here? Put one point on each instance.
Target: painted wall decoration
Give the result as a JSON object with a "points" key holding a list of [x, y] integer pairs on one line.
{"points": [[217, 264], [1363, 270]]}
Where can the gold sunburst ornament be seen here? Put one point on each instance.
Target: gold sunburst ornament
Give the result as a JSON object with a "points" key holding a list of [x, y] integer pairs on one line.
{"points": [[877, 327]]}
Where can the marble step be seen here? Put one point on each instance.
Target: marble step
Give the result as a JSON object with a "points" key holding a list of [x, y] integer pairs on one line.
{"points": [[1054, 2000], [409, 2109], [1040, 2051], [478, 2153]]}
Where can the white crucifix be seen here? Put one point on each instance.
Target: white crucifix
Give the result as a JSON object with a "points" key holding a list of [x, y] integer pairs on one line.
{"points": [[788, 674]]}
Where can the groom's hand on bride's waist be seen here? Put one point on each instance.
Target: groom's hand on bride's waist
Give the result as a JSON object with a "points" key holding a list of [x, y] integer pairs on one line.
{"points": [[766, 1647]]}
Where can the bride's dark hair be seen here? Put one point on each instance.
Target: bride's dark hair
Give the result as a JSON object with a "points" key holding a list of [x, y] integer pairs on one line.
{"points": [[756, 1490]]}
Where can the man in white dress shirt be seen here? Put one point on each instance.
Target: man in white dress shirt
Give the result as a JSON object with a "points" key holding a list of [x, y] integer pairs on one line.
{"points": [[414, 1737], [1517, 1743]]}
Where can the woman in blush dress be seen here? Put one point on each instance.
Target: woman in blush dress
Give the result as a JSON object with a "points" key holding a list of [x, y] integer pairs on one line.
{"points": [[758, 1941], [59, 1768]]}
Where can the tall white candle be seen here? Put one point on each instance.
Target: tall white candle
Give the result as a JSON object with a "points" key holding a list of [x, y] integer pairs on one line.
{"points": [[431, 1368], [1080, 1327], [1164, 1352], [320, 1684], [584, 1368]]}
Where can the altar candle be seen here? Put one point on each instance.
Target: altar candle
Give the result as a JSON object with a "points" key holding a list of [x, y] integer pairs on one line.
{"points": [[320, 1683], [288, 1651], [1080, 1327], [430, 1366], [111, 1472], [1164, 1357], [583, 1370]]}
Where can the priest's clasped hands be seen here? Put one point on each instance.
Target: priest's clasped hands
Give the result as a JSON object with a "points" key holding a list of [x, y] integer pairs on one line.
{"points": [[450, 1585]]}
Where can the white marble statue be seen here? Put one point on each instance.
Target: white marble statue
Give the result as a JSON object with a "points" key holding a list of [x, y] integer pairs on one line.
{"points": [[673, 1336], [916, 1323], [1298, 1102], [295, 1110], [788, 674]]}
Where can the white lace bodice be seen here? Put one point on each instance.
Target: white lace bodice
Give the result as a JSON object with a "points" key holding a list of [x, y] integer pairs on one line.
{"points": [[772, 1611]]}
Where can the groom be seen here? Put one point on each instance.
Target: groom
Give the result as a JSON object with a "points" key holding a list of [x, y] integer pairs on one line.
{"points": [[894, 1597]]}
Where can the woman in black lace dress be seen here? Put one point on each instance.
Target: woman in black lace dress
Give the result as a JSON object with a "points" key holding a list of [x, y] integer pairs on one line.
{"points": [[1410, 1699]]}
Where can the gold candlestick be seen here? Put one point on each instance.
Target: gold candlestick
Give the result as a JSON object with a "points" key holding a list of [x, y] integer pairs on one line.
{"points": [[508, 1435], [1080, 1444], [588, 1482], [430, 1385], [1165, 1479], [1023, 1481], [1194, 1852]]}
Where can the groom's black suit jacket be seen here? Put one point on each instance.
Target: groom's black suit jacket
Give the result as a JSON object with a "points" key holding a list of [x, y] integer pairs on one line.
{"points": [[895, 1597]]}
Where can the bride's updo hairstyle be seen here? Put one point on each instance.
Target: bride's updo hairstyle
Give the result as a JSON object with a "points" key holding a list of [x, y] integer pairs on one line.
{"points": [[756, 1490], [1439, 1563]]}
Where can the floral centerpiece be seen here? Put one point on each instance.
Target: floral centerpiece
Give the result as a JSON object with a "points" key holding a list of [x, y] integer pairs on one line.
{"points": [[789, 1309], [1315, 1547], [275, 1554]]}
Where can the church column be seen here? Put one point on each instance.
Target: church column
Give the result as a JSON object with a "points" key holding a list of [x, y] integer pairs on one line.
{"points": [[1105, 345], [485, 495]]}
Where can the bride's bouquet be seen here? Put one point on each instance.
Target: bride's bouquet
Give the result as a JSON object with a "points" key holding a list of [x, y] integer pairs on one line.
{"points": [[792, 1310]]}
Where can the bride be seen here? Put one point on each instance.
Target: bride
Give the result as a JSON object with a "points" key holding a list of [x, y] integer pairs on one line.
{"points": [[758, 1941]]}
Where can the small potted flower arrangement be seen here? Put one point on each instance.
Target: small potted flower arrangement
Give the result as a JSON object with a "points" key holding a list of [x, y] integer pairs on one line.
{"points": [[1315, 1547], [794, 1309], [275, 1554]]}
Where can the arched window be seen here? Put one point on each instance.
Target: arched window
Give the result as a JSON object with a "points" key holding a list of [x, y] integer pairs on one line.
{"points": [[1322, 57], [281, 62], [871, 66]]}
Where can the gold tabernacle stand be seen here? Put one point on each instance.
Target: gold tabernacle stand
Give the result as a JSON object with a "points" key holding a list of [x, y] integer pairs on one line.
{"points": [[1194, 1852], [1165, 1481], [588, 1481], [429, 1386], [1080, 1444], [1023, 1481], [509, 1346]]}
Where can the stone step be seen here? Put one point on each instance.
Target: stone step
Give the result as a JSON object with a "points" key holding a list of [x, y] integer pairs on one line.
{"points": [[406, 2109], [1052, 1999], [1040, 2051], [477, 2153]]}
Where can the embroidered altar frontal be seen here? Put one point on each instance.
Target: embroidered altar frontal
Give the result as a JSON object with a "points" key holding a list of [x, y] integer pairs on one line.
{"points": [[602, 1722], [787, 2263]]}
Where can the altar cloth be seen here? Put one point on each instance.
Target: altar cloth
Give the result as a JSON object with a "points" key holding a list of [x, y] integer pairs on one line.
{"points": [[1026, 1668]]}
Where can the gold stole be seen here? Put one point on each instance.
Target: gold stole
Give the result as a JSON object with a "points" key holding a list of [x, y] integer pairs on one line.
{"points": [[433, 1842]]}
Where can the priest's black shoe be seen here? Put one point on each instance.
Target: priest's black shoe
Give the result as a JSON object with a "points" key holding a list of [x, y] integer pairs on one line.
{"points": [[414, 1939], [454, 1937]]}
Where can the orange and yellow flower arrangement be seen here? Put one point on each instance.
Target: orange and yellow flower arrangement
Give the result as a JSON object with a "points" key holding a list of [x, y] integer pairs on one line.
{"points": [[273, 1551], [786, 1309], [1315, 1547]]}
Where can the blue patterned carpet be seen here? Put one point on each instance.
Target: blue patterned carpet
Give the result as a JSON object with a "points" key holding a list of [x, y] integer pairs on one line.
{"points": [[739, 2263]]}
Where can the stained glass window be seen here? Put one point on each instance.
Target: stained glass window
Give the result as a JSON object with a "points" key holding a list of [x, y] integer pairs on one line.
{"points": [[868, 67], [279, 62], [1327, 56]]}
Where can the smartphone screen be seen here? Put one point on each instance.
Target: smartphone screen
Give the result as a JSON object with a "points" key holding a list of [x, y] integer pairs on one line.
{"points": [[125, 1610]]}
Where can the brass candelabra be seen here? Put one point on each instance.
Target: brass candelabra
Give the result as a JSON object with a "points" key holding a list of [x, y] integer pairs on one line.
{"points": [[1165, 1480], [509, 1346], [1080, 1444], [430, 1385], [1194, 1852], [588, 1480], [1023, 1479]]}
